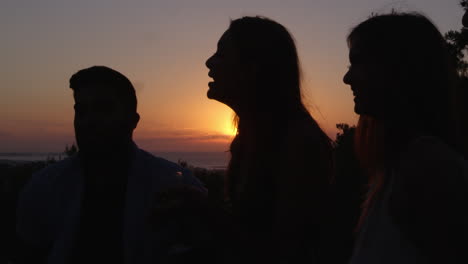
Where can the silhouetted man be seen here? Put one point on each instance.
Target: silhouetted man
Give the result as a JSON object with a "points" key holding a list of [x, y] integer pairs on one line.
{"points": [[94, 206]]}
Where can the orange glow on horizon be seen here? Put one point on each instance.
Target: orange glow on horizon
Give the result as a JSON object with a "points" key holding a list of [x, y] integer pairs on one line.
{"points": [[229, 128], [163, 53]]}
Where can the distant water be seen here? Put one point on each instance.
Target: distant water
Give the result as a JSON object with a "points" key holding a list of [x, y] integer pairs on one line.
{"points": [[208, 160]]}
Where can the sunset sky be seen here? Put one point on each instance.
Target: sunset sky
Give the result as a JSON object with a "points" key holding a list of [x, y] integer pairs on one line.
{"points": [[162, 46]]}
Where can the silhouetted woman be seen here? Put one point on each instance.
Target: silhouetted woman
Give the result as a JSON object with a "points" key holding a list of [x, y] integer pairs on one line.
{"points": [[280, 166], [406, 139]]}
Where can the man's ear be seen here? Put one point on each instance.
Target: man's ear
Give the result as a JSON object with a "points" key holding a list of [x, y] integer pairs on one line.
{"points": [[134, 120]]}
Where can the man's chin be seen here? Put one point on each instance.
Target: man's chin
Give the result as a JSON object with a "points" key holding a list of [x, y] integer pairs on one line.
{"points": [[99, 150], [93, 153]]}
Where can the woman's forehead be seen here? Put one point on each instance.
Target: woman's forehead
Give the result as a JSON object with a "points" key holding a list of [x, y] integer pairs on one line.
{"points": [[225, 39]]}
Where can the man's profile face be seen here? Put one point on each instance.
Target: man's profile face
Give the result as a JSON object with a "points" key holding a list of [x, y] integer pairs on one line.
{"points": [[102, 123]]}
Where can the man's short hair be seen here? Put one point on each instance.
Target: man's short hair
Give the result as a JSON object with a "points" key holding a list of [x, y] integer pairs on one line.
{"points": [[107, 78]]}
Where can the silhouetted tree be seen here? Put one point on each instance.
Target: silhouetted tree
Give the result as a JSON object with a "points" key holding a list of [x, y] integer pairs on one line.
{"points": [[70, 151], [350, 183], [349, 176], [345, 134], [457, 41]]}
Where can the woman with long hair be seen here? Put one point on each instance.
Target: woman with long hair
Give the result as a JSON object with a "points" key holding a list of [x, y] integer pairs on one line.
{"points": [[281, 161], [407, 141]]}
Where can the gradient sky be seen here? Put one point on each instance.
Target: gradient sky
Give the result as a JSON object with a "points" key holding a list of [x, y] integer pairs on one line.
{"points": [[161, 46]]}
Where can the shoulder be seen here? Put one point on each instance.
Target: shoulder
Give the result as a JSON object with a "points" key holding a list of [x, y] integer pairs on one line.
{"points": [[157, 162], [430, 176], [47, 179], [430, 193], [432, 159], [306, 150], [305, 130], [431, 148], [304, 138], [38, 199], [166, 171]]}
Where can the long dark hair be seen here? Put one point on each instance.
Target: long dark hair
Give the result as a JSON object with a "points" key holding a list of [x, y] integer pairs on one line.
{"points": [[274, 99], [421, 99]]}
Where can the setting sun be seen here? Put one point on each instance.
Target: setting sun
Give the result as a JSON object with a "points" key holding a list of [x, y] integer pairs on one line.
{"points": [[229, 127]]}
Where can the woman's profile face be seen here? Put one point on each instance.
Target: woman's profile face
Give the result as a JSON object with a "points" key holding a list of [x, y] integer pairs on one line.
{"points": [[465, 19], [367, 79], [226, 72]]}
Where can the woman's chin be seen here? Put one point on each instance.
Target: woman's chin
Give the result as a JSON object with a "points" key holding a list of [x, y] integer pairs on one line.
{"points": [[358, 108], [211, 94], [213, 91], [216, 95]]}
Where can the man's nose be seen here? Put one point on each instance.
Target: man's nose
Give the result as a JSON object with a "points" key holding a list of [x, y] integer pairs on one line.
{"points": [[87, 123]]}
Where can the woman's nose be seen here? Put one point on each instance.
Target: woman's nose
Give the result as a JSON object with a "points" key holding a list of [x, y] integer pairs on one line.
{"points": [[346, 78], [465, 19], [208, 62]]}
